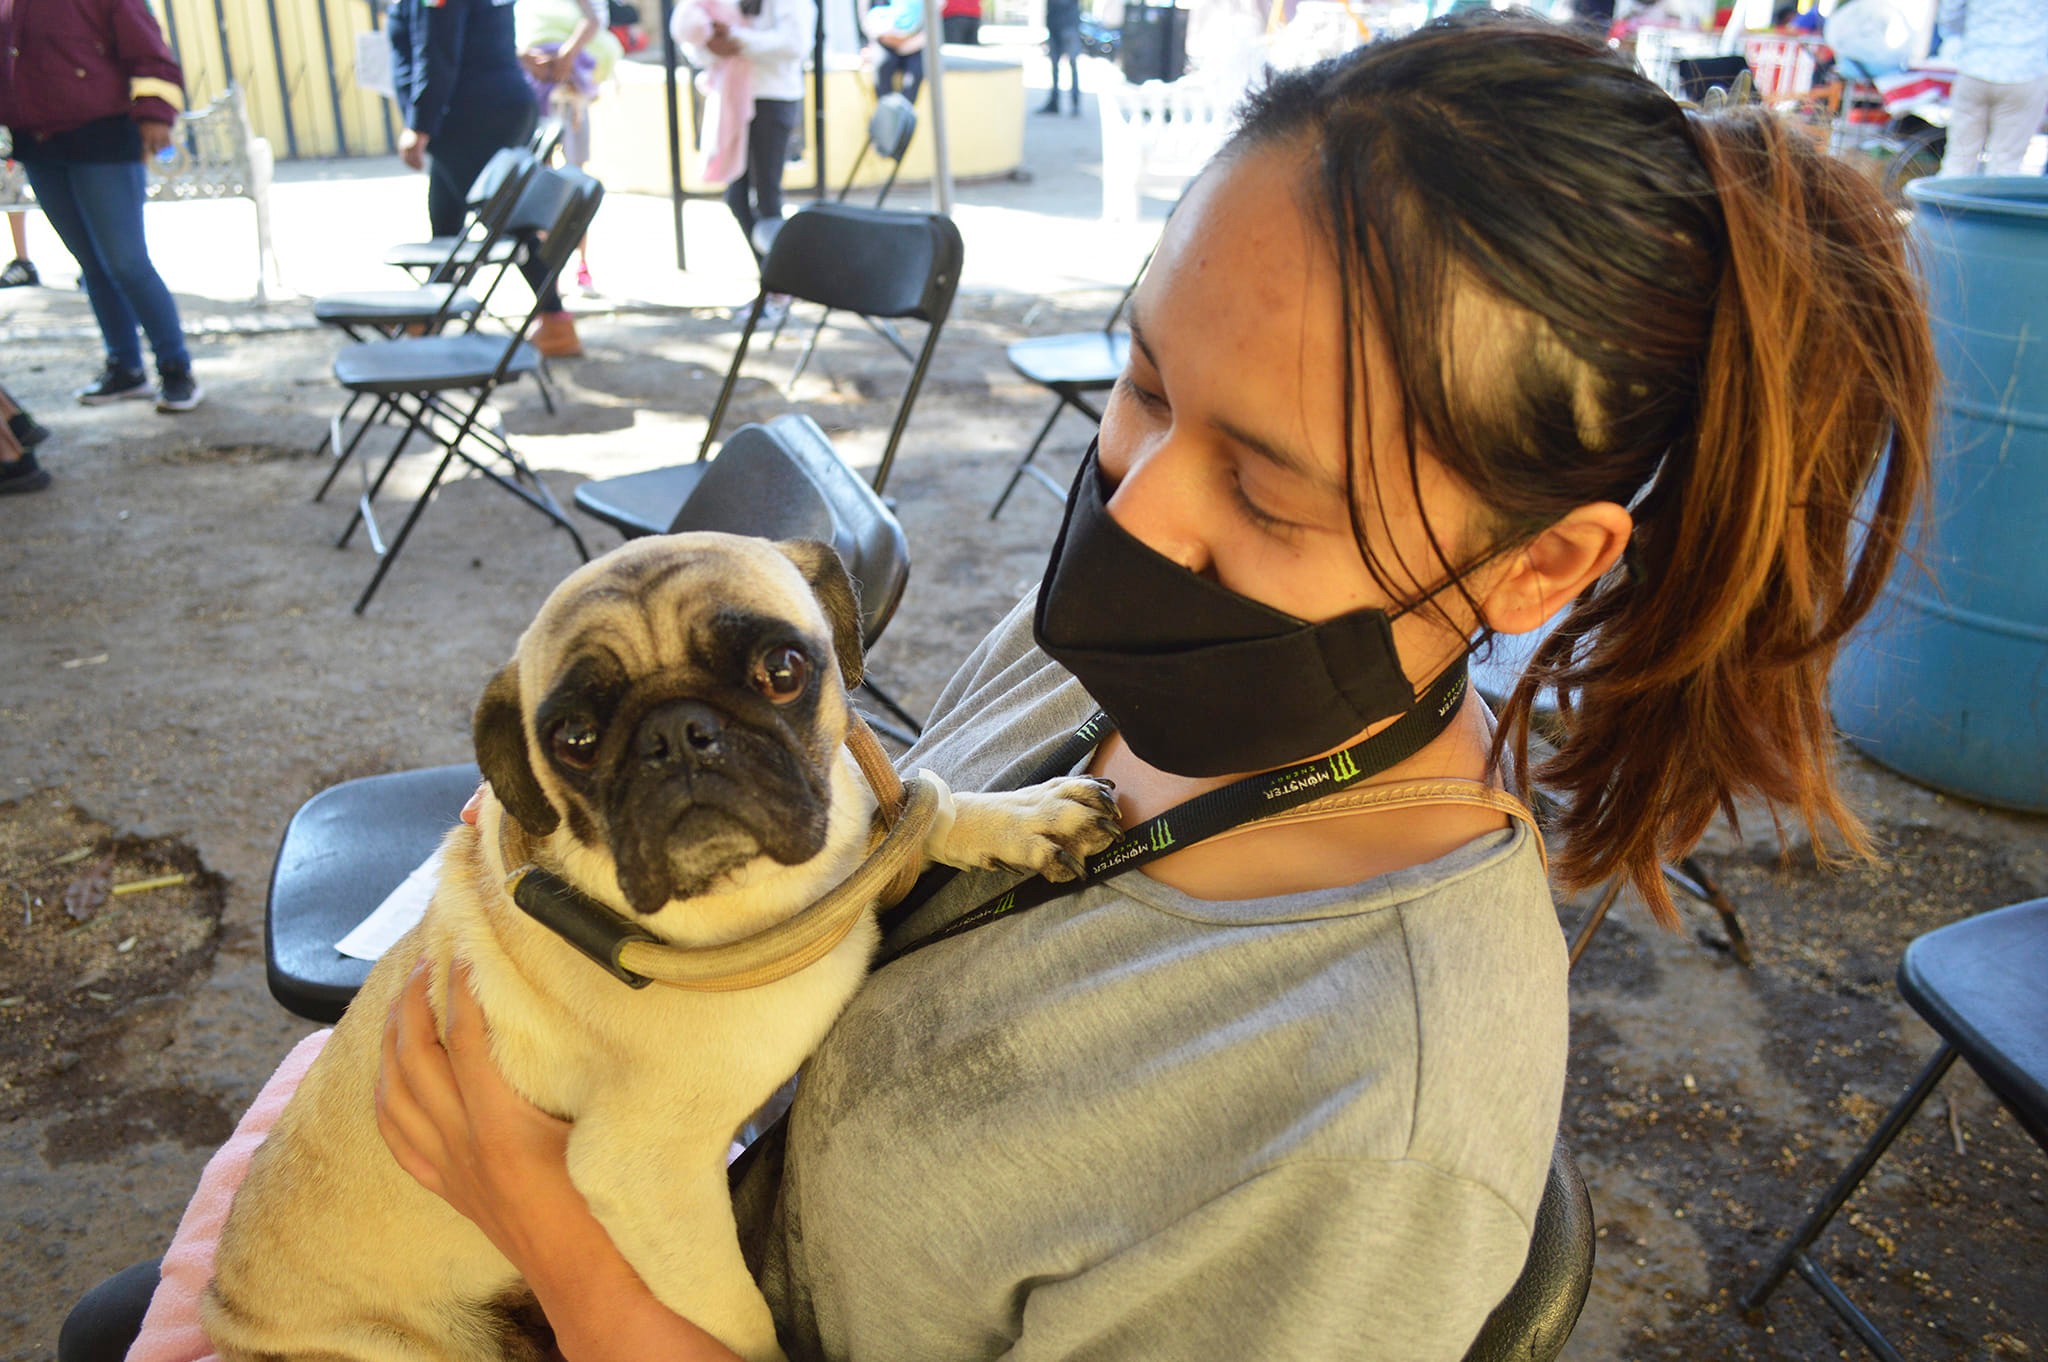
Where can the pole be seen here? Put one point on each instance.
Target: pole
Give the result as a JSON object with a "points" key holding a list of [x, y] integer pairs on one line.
{"points": [[675, 127], [935, 80], [333, 89], [227, 61], [818, 102], [383, 105], [284, 86]]}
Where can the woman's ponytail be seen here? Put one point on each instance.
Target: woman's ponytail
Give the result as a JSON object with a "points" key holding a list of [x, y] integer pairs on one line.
{"points": [[1697, 678]]}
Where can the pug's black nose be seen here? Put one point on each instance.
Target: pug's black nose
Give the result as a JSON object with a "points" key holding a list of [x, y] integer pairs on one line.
{"points": [[681, 731]]}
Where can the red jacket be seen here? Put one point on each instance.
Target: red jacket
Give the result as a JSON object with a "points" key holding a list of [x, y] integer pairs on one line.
{"points": [[66, 63]]}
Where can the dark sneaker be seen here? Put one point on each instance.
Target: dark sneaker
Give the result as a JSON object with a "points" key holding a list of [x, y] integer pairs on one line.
{"points": [[18, 274], [177, 391], [117, 385], [27, 431], [23, 475]]}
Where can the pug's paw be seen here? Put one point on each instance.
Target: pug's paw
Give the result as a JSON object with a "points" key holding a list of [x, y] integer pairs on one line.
{"points": [[1043, 829]]}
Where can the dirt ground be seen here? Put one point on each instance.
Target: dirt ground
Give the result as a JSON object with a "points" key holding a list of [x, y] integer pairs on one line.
{"points": [[182, 670]]}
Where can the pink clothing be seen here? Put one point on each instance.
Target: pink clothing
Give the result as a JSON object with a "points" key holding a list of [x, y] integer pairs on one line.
{"points": [[170, 1331], [730, 82]]}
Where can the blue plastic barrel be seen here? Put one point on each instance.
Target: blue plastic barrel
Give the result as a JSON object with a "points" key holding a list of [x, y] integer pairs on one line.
{"points": [[1947, 681]]}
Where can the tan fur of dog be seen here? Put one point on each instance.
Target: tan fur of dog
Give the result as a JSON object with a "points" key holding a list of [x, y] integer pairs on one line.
{"points": [[331, 1251]]}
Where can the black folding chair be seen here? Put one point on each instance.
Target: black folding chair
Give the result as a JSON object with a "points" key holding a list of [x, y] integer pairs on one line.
{"points": [[1495, 673], [1536, 1317], [1697, 75], [866, 260], [427, 377], [425, 309], [1072, 366], [426, 259], [1980, 984], [890, 128]]}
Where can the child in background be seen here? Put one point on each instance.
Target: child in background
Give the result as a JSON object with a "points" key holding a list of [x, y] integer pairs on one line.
{"points": [[567, 52]]}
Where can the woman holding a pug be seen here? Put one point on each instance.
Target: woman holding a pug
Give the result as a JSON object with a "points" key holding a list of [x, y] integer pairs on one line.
{"points": [[1414, 364]]}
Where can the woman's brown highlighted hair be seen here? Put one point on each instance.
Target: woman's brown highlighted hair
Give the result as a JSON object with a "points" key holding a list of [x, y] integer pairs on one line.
{"points": [[1591, 293]]}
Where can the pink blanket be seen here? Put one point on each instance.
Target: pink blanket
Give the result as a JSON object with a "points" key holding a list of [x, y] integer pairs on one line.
{"points": [[170, 1331], [730, 82]]}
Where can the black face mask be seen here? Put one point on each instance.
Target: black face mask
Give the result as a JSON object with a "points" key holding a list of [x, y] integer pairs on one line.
{"points": [[1200, 680]]}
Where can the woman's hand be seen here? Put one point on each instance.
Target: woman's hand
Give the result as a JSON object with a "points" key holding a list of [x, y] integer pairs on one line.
{"points": [[457, 1126], [155, 137], [460, 1130], [721, 43]]}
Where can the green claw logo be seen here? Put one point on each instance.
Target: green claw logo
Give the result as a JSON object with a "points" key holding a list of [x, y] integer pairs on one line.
{"points": [[1342, 767], [1162, 837]]}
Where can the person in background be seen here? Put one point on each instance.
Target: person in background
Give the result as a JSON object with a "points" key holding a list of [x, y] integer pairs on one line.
{"points": [[88, 89], [1063, 43], [961, 21], [897, 28], [21, 270], [772, 38], [568, 52], [455, 67], [2000, 48], [20, 433]]}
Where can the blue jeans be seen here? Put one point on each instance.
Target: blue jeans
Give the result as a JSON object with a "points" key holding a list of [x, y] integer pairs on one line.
{"points": [[97, 212]]}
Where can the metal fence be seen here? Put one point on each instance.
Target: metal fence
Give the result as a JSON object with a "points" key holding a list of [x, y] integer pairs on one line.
{"points": [[295, 61]]}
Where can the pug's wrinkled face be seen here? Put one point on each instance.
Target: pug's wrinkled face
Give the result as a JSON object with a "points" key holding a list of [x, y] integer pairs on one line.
{"points": [[680, 704]]}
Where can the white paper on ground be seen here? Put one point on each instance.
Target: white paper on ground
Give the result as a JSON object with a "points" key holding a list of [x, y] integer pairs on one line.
{"points": [[395, 916]]}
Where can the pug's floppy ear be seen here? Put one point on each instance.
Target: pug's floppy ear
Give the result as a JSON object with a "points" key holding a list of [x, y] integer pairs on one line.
{"points": [[499, 731], [837, 593]]}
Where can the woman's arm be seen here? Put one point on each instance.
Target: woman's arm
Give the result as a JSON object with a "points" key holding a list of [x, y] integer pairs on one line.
{"points": [[457, 1127]]}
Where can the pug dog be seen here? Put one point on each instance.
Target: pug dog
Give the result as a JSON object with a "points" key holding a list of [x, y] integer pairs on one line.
{"points": [[669, 741]]}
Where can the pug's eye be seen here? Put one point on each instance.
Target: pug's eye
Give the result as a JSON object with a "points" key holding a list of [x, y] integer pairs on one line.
{"points": [[574, 743], [782, 673]]}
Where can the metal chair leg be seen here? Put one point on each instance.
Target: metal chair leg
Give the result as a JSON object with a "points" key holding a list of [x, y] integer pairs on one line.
{"points": [[1692, 877], [371, 488], [1795, 1256], [1017, 473], [1592, 923], [888, 702]]}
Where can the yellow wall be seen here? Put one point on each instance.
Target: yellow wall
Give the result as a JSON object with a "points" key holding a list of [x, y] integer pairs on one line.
{"points": [[985, 104], [310, 88]]}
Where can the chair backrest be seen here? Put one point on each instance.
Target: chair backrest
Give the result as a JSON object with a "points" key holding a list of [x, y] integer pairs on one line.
{"points": [[1697, 75], [892, 125], [784, 480], [871, 261], [573, 198], [1535, 1318], [547, 135], [509, 171], [890, 129]]}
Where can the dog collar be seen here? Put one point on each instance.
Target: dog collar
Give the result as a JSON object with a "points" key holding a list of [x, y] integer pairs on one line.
{"points": [[635, 956]]}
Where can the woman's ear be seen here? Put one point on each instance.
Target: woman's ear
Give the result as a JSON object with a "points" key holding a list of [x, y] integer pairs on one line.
{"points": [[1548, 572]]}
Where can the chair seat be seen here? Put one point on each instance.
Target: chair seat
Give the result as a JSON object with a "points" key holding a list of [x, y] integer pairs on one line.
{"points": [[1536, 1318], [1082, 361], [343, 852], [426, 255], [393, 307], [637, 504], [1979, 982], [423, 363]]}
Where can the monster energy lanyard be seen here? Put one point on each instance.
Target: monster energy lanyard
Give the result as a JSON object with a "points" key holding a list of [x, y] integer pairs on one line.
{"points": [[1200, 818]]}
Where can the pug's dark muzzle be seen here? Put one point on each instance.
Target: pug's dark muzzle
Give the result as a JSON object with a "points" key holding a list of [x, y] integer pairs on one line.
{"points": [[697, 792]]}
